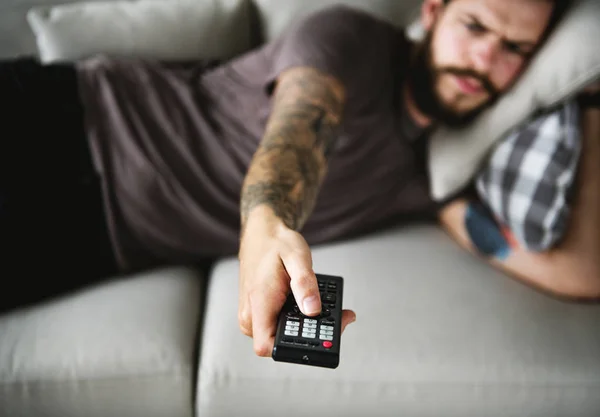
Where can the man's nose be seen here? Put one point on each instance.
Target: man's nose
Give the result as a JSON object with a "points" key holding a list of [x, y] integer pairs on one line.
{"points": [[483, 55]]}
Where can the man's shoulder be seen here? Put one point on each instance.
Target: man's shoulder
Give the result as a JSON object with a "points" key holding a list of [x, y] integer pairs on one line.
{"points": [[358, 47], [344, 15], [344, 31]]}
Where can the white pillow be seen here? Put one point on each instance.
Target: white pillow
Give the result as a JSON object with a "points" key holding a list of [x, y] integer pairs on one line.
{"points": [[569, 61], [160, 29]]}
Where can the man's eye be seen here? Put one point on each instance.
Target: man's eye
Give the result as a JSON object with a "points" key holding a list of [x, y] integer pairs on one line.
{"points": [[513, 48], [475, 27]]}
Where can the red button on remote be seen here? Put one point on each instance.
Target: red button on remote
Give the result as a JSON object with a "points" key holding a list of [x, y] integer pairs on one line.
{"points": [[327, 344]]}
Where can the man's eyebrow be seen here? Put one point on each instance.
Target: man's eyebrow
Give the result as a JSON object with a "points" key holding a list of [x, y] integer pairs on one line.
{"points": [[523, 43]]}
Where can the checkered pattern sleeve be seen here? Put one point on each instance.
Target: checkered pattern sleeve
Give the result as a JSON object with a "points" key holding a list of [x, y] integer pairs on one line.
{"points": [[527, 182]]}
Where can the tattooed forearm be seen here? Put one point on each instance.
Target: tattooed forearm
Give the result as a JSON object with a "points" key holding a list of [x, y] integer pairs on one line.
{"points": [[293, 187], [291, 161]]}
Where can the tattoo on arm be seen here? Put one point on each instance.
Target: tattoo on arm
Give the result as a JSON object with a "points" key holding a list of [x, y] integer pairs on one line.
{"points": [[291, 161], [484, 232]]}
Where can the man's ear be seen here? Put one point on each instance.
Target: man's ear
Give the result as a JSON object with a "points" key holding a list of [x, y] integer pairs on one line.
{"points": [[430, 12]]}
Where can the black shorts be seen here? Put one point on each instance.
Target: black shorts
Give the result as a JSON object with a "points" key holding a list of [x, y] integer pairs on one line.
{"points": [[53, 232]]}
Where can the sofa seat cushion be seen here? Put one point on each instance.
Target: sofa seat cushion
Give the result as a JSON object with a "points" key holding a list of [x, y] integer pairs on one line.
{"points": [[123, 348], [437, 333]]}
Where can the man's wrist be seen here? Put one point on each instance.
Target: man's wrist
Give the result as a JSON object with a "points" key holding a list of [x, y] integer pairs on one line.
{"points": [[263, 219]]}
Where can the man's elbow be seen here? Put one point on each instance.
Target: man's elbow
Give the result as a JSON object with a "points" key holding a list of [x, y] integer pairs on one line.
{"points": [[571, 276]]}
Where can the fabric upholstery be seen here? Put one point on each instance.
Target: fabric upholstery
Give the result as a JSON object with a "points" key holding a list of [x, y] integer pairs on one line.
{"points": [[122, 348], [437, 333]]}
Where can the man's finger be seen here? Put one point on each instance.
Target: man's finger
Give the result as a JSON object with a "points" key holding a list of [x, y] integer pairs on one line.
{"points": [[264, 321], [303, 282], [244, 313], [245, 317], [348, 316]]}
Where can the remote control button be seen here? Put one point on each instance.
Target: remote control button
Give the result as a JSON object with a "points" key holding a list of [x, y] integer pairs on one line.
{"points": [[287, 340], [310, 321], [292, 328], [325, 312], [326, 334], [309, 335], [310, 326], [332, 286], [329, 298], [321, 284], [292, 323], [327, 344], [323, 337], [323, 327], [315, 344], [290, 333], [310, 331]]}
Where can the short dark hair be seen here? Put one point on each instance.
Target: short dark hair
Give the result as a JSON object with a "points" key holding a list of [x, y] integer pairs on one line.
{"points": [[561, 7]]}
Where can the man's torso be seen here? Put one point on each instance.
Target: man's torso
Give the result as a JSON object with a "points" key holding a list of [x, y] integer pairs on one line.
{"points": [[173, 143]]}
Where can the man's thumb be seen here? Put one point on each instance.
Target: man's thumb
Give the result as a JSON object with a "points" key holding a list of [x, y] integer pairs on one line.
{"points": [[303, 282]]}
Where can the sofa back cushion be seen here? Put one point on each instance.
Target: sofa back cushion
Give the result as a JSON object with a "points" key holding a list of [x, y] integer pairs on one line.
{"points": [[16, 37], [161, 29]]}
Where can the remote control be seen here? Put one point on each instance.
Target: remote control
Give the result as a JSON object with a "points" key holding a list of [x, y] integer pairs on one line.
{"points": [[312, 340]]}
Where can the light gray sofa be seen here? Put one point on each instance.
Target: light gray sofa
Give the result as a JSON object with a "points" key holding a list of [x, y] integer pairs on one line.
{"points": [[438, 334]]}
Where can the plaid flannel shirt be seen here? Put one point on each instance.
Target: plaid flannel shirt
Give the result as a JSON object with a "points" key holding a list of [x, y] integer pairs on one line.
{"points": [[528, 179]]}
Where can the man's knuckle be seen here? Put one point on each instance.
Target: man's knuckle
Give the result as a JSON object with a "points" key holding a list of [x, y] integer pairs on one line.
{"points": [[245, 330], [305, 281], [244, 319], [261, 349]]}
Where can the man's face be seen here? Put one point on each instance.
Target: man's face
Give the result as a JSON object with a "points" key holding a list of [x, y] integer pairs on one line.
{"points": [[473, 52]]}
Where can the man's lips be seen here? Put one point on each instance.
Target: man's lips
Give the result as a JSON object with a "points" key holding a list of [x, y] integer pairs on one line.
{"points": [[468, 85]]}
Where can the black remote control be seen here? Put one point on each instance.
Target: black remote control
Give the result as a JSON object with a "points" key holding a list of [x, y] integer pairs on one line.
{"points": [[312, 340]]}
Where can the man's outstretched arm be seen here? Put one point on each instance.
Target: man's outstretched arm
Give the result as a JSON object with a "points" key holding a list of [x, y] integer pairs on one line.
{"points": [[278, 195], [570, 270]]}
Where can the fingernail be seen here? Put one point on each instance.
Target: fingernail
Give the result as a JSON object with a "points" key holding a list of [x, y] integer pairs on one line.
{"points": [[311, 305]]}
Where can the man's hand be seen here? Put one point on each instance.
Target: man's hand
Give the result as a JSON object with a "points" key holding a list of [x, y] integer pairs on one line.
{"points": [[278, 196], [273, 260]]}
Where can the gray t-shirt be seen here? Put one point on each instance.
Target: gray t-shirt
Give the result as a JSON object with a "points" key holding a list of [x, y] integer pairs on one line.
{"points": [[173, 142]]}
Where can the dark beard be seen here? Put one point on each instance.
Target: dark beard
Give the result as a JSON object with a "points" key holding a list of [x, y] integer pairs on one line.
{"points": [[423, 77]]}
